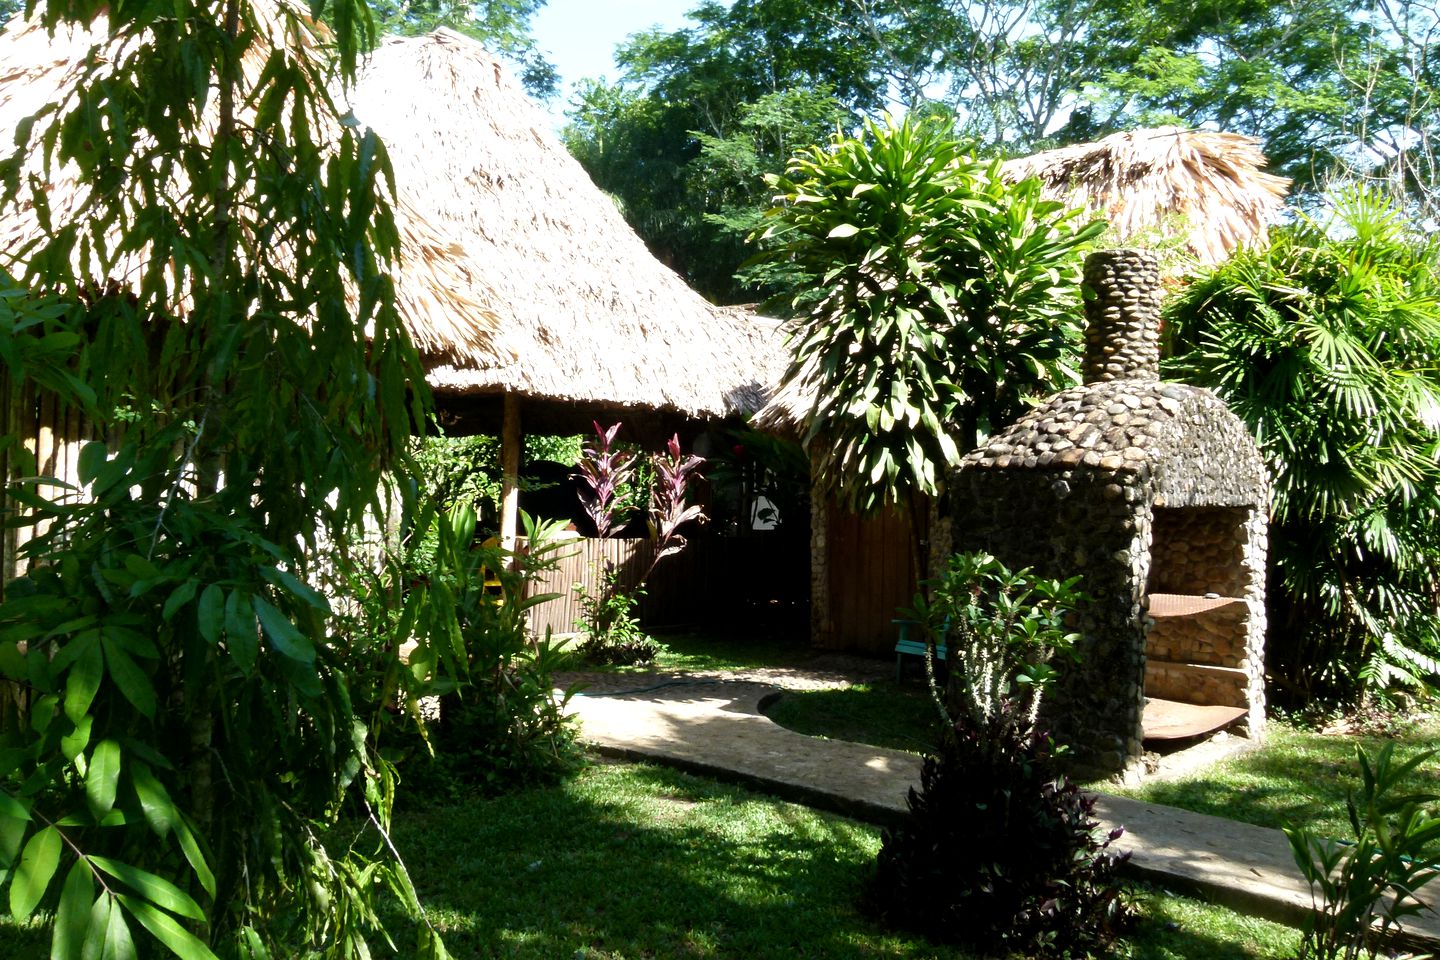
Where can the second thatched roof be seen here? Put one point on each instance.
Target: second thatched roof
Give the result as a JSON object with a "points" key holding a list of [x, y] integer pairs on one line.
{"points": [[589, 315], [1208, 189]]}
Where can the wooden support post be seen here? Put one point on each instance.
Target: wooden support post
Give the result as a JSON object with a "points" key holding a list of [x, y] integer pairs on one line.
{"points": [[510, 440]]}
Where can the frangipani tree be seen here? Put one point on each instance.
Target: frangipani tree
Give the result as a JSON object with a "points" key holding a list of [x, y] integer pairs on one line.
{"points": [[941, 298]]}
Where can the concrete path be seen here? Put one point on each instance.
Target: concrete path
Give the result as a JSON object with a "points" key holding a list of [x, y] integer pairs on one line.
{"points": [[715, 727]]}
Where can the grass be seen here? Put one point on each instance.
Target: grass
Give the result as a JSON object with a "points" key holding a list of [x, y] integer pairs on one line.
{"points": [[883, 714], [631, 861], [1295, 776], [694, 651], [636, 861]]}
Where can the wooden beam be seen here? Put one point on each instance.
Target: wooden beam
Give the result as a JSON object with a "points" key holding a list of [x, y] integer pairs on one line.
{"points": [[510, 447]]}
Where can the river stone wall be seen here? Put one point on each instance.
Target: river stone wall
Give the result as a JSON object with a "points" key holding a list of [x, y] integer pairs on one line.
{"points": [[1122, 314], [1074, 487]]}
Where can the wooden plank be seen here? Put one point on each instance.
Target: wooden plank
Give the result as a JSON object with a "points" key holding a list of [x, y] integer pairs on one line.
{"points": [[1169, 720]]}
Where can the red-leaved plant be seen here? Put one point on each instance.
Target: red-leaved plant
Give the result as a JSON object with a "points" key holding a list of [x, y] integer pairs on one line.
{"points": [[604, 469], [668, 509]]}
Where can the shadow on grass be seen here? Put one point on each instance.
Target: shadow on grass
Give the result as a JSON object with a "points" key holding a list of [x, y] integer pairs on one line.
{"points": [[882, 714], [641, 861]]}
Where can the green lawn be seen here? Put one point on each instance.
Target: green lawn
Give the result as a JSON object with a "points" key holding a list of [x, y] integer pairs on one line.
{"points": [[1295, 776], [708, 650], [637, 861], [882, 713], [630, 861]]}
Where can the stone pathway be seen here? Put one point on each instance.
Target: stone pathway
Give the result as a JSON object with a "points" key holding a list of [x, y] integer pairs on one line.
{"points": [[713, 725]]}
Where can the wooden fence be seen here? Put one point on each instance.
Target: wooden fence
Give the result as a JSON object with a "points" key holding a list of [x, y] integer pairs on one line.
{"points": [[761, 578]]}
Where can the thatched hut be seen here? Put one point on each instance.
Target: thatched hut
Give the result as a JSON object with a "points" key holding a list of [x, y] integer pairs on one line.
{"points": [[441, 293], [1205, 190], [593, 326]]}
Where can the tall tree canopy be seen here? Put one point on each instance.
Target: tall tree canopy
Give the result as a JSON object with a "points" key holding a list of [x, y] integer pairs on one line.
{"points": [[1334, 89], [701, 113]]}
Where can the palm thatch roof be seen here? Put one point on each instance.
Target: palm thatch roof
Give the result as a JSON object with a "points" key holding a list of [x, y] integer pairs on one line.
{"points": [[1207, 188], [590, 316], [440, 292]]}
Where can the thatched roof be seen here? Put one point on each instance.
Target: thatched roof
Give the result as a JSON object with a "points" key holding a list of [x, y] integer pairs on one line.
{"points": [[440, 292], [1148, 184], [1152, 183], [591, 317]]}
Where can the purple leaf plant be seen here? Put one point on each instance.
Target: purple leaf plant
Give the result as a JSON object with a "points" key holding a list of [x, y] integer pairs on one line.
{"points": [[604, 469], [668, 509]]}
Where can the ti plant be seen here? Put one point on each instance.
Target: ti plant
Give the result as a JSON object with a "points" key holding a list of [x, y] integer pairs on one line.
{"points": [[1364, 888], [612, 631], [668, 508], [605, 469]]}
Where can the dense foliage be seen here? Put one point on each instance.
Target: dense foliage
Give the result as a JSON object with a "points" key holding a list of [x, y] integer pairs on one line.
{"points": [[501, 724], [701, 113], [215, 302], [939, 299], [997, 854], [1366, 888], [1327, 344]]}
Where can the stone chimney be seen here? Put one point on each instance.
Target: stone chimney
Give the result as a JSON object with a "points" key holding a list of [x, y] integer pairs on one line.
{"points": [[1122, 312]]}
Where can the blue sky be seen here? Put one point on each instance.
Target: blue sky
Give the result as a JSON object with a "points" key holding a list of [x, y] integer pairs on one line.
{"points": [[579, 36]]}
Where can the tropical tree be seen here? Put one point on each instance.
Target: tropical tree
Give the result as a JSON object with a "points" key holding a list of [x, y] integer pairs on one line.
{"points": [[694, 108], [941, 298], [214, 299], [1327, 344]]}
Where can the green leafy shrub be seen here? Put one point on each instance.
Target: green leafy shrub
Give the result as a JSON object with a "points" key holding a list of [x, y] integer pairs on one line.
{"points": [[939, 298], [217, 304], [610, 626], [501, 724], [1327, 344], [995, 851], [1365, 888]]}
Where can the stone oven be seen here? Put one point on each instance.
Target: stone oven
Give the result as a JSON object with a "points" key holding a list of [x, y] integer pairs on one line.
{"points": [[1156, 495]]}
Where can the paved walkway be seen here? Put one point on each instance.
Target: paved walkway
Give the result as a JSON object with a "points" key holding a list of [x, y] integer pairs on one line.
{"points": [[714, 726]]}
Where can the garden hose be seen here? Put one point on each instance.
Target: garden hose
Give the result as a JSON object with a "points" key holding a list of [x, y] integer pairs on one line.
{"points": [[658, 686]]}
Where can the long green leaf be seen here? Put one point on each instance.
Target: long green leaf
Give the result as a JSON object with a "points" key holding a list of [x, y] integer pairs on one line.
{"points": [[34, 872], [285, 635], [127, 676], [154, 799], [102, 776], [72, 916], [157, 890], [163, 927], [193, 854]]}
